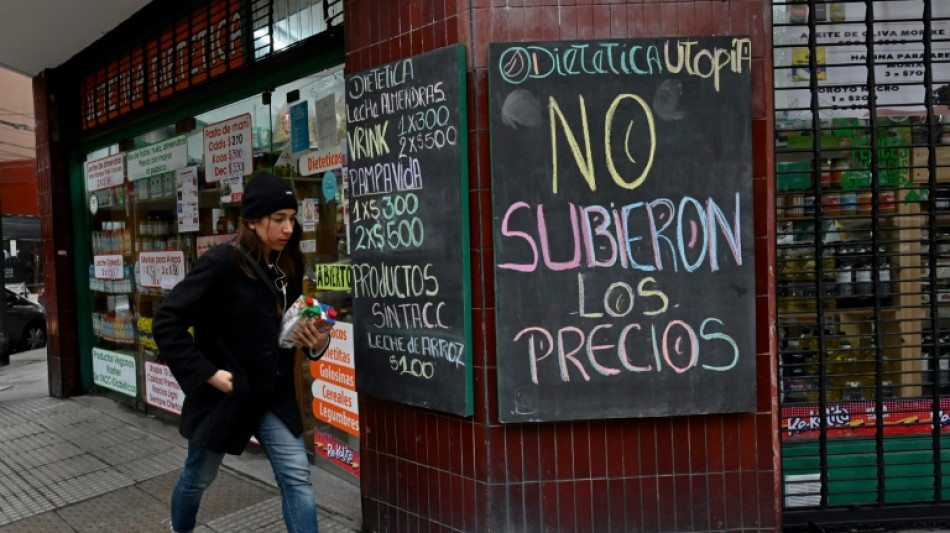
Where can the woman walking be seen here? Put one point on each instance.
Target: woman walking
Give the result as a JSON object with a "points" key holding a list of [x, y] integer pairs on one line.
{"points": [[237, 380]]}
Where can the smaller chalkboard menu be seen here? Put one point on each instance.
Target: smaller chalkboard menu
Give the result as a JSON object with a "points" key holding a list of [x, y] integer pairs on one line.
{"points": [[408, 184]]}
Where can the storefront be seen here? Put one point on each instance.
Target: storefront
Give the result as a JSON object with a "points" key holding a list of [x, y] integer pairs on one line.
{"points": [[174, 110], [611, 380], [862, 240]]}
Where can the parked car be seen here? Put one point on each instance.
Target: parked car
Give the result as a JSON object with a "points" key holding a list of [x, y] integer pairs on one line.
{"points": [[25, 324], [30, 292]]}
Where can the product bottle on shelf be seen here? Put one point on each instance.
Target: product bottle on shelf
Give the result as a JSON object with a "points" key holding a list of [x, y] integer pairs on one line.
{"points": [[883, 274], [844, 279], [863, 276]]}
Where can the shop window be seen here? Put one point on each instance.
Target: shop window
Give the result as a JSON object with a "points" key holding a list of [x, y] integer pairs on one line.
{"points": [[281, 23], [862, 265], [159, 200]]}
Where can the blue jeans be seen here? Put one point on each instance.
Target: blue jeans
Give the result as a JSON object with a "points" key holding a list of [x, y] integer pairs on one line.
{"points": [[288, 458]]}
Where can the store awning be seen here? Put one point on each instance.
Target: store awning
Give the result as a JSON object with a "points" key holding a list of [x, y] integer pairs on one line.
{"points": [[44, 34]]}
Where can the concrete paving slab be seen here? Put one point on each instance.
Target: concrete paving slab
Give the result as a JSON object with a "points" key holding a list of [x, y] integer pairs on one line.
{"points": [[91, 464], [43, 523]]}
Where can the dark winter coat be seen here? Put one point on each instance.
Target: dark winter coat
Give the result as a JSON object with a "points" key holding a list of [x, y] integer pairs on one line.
{"points": [[236, 328]]}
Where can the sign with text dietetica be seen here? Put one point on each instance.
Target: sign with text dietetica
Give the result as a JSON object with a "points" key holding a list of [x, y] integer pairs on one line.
{"points": [[622, 205], [406, 175]]}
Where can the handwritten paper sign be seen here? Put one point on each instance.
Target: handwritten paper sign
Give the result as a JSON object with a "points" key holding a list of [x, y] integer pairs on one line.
{"points": [[159, 158], [161, 270], [108, 267], [186, 186], [114, 370], [408, 189], [228, 148], [162, 389], [622, 181], [106, 172]]}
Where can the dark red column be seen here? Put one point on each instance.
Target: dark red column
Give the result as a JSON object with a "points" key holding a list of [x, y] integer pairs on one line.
{"points": [[53, 190]]}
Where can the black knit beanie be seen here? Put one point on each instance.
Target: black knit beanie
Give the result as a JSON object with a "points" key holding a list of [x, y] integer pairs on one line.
{"points": [[264, 194]]}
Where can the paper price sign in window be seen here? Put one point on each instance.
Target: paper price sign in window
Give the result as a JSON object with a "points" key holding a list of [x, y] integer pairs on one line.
{"points": [[228, 147], [105, 172], [108, 267], [161, 270]]}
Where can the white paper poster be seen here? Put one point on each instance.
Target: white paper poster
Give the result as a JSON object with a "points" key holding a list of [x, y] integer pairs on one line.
{"points": [[841, 58], [228, 148], [114, 370], [161, 270], [186, 184], [108, 267], [159, 158], [161, 388], [328, 133], [232, 189], [309, 214], [105, 173]]}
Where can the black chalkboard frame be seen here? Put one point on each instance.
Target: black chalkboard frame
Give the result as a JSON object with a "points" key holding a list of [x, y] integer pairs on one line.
{"points": [[459, 393], [520, 400]]}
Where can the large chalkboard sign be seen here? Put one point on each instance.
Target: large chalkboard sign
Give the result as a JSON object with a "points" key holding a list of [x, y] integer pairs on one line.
{"points": [[408, 185], [622, 179]]}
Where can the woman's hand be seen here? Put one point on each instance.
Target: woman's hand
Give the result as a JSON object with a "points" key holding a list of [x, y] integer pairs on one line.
{"points": [[312, 334], [223, 381]]}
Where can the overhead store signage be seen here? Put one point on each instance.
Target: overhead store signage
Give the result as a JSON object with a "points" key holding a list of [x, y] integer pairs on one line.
{"points": [[196, 48], [105, 173]]}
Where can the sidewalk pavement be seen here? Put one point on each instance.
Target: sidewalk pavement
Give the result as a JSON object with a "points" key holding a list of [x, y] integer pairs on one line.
{"points": [[90, 464]]}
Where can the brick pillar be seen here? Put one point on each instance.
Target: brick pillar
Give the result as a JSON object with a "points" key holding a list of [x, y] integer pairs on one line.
{"points": [[54, 196], [428, 471]]}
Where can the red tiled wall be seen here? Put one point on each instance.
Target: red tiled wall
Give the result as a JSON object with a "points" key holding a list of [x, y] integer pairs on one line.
{"points": [[424, 471], [18, 187]]}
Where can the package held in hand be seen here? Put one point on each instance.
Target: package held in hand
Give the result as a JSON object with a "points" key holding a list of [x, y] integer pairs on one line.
{"points": [[304, 309]]}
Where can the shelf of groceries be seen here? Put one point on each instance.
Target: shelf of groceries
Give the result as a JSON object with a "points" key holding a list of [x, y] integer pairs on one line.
{"points": [[856, 247]]}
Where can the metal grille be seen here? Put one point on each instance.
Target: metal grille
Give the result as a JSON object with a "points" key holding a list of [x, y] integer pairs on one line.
{"points": [[863, 252], [277, 24]]}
